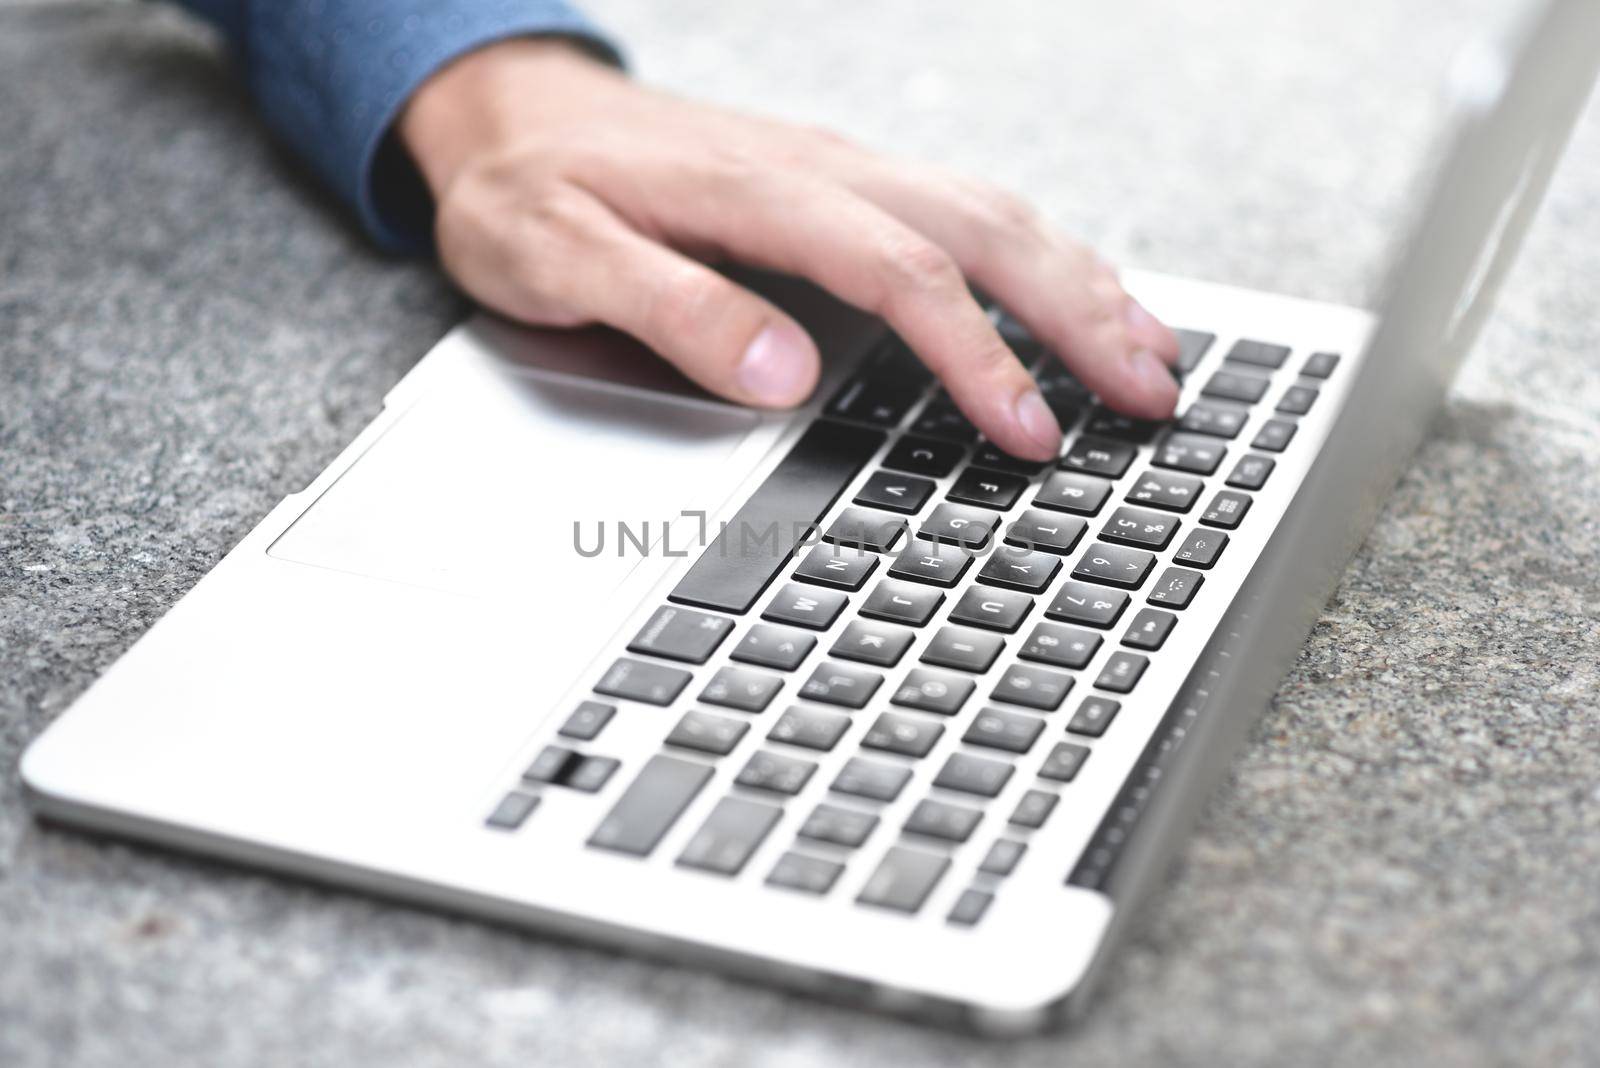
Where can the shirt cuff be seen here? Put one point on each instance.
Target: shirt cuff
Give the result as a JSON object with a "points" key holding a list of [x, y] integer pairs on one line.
{"points": [[331, 78]]}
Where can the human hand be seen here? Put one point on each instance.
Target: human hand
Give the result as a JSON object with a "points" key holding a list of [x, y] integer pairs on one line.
{"points": [[568, 194]]}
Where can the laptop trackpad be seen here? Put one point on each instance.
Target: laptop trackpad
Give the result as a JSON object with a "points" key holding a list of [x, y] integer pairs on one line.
{"points": [[489, 487]]}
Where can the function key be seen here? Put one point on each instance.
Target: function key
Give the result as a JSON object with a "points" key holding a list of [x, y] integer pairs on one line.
{"points": [[650, 805], [1058, 646], [963, 649], [933, 691], [806, 606], [1064, 761], [1134, 526], [775, 647], [1095, 606], [681, 634], [1202, 547], [995, 609], [728, 837], [1195, 453], [995, 728], [776, 773], [897, 732], [1160, 490], [1228, 385], [939, 819], [587, 720], [1260, 353], [904, 879], [902, 602], [990, 455], [1296, 400], [1275, 435], [741, 688], [988, 489], [1114, 566], [896, 493], [1034, 808], [512, 811], [871, 779], [841, 684], [838, 825], [1122, 672], [872, 643], [1175, 588], [924, 456], [957, 524], [1099, 456], [973, 775], [969, 907], [865, 528], [1032, 687], [1214, 419], [707, 732], [1320, 364], [809, 728], [1226, 510], [931, 562], [1003, 857], [1068, 492], [1192, 347], [942, 419], [1251, 472], [1094, 716], [1044, 532], [812, 875], [639, 680], [1149, 629], [1103, 422], [1018, 569]]}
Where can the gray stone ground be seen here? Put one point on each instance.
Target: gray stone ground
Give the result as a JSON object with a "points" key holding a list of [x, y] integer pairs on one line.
{"points": [[1403, 867]]}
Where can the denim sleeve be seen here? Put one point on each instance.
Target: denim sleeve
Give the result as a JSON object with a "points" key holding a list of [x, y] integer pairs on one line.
{"points": [[330, 77]]}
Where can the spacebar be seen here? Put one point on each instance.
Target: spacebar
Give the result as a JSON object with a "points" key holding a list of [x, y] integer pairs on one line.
{"points": [[759, 539]]}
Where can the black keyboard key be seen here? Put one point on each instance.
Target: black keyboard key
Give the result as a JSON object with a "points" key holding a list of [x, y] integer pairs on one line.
{"points": [[1094, 715], [639, 680], [1229, 385], [973, 774], [933, 691], [1201, 548], [811, 875], [871, 779], [587, 720], [1122, 672], [1320, 364], [987, 489], [650, 805], [1159, 489], [1021, 570], [1176, 588], [729, 836], [998, 729], [1044, 532], [1226, 510], [865, 528], [512, 811], [1066, 491], [1145, 530], [707, 732], [1094, 606], [902, 602], [1105, 423], [1149, 629], [1099, 456], [895, 493], [775, 647], [879, 400], [738, 565], [924, 456], [1003, 857], [872, 643], [1251, 472], [969, 907], [839, 826], [1033, 687], [806, 606], [742, 688], [964, 649], [942, 419], [1260, 353], [1034, 808], [841, 684], [681, 634], [904, 879], [1001, 610], [898, 732], [992, 456], [1296, 400], [1058, 646], [1275, 435], [591, 773], [776, 773], [810, 728], [1215, 419], [1196, 453], [1064, 761], [1192, 347], [1114, 565], [838, 566], [931, 562], [958, 524], [940, 819]]}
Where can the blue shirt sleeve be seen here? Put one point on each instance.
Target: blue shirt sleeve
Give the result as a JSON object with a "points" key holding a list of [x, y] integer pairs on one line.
{"points": [[331, 76]]}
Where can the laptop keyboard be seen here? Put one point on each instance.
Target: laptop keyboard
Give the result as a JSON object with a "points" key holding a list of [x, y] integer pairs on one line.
{"points": [[855, 636]]}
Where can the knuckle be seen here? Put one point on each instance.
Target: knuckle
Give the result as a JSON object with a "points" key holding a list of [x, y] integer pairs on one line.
{"points": [[682, 307], [1008, 212], [914, 268]]}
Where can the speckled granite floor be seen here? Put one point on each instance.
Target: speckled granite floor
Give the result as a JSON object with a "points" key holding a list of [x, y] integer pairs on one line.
{"points": [[1403, 867]]}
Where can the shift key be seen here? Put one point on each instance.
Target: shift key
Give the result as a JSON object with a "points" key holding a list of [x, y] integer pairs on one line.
{"points": [[650, 805]]}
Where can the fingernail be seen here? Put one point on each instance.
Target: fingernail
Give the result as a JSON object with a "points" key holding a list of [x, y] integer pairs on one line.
{"points": [[1154, 377], [778, 367], [1037, 421]]}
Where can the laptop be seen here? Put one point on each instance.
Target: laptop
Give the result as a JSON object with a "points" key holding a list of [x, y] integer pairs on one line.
{"points": [[842, 698]]}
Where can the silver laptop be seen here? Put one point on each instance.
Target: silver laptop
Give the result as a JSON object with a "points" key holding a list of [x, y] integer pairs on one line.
{"points": [[845, 697]]}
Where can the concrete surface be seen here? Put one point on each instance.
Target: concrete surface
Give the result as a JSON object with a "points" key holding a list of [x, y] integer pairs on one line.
{"points": [[1404, 866]]}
